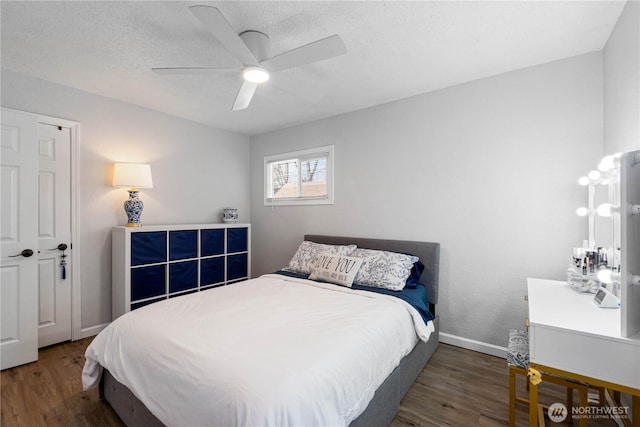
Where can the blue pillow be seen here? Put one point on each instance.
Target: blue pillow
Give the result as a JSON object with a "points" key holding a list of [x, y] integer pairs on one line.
{"points": [[414, 277]]}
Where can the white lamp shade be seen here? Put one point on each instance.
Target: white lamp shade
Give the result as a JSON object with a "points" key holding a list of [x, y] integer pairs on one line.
{"points": [[136, 175]]}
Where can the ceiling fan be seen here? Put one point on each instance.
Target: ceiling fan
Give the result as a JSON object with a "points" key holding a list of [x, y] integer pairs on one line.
{"points": [[251, 49]]}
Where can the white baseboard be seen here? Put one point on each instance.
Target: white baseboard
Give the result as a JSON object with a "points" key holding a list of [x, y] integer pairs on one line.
{"points": [[94, 330], [469, 344]]}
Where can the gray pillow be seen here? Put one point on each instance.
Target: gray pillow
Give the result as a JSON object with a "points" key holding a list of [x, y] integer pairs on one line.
{"points": [[305, 258], [340, 270]]}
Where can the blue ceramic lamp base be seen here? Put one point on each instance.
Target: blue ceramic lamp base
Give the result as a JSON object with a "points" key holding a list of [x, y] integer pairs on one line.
{"points": [[133, 208]]}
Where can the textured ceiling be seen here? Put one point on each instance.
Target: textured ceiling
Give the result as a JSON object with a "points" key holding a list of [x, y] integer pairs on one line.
{"points": [[395, 50]]}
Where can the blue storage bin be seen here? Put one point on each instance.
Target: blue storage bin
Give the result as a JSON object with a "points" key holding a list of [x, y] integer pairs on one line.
{"points": [[212, 242], [147, 282], [211, 271], [148, 247], [236, 266], [183, 244], [183, 275], [237, 239]]}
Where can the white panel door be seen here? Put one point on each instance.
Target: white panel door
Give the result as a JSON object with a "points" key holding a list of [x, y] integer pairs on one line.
{"points": [[18, 235], [54, 229]]}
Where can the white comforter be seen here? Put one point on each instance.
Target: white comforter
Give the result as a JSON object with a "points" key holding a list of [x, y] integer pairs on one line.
{"points": [[272, 351]]}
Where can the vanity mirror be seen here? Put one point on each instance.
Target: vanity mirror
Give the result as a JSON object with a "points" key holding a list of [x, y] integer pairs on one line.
{"points": [[603, 185], [614, 224], [601, 251], [629, 222]]}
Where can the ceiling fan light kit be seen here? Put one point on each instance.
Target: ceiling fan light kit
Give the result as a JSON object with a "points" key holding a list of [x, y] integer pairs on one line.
{"points": [[251, 48], [255, 74]]}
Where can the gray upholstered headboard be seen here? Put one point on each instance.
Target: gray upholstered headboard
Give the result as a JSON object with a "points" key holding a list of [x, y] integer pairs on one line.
{"points": [[428, 252]]}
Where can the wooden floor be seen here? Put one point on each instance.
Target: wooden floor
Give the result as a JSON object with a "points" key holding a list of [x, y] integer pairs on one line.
{"points": [[457, 388]]}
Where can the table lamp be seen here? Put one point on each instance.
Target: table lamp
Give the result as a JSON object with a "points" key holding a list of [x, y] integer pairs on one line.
{"points": [[133, 175]]}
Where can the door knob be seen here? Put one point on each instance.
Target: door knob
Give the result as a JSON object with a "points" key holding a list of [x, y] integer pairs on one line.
{"points": [[25, 253], [60, 247]]}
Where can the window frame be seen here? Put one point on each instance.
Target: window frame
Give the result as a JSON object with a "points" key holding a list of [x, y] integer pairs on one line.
{"points": [[301, 155]]}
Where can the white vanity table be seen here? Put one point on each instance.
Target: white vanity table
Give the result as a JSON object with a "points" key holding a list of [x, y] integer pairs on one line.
{"points": [[569, 335]]}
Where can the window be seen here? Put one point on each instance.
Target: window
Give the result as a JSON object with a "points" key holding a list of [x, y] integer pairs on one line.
{"points": [[299, 178]]}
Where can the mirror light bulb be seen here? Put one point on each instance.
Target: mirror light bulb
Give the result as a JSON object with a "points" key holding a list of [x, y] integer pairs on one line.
{"points": [[605, 209], [584, 180], [594, 175], [608, 276], [582, 211], [606, 164]]}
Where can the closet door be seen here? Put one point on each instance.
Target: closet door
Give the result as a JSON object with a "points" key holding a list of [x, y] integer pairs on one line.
{"points": [[18, 239], [35, 275], [54, 234]]}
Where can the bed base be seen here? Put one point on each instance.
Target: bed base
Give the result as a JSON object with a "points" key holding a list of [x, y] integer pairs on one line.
{"points": [[386, 401], [380, 411]]}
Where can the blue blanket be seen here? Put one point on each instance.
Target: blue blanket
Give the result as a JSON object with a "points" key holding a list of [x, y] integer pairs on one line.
{"points": [[417, 296]]}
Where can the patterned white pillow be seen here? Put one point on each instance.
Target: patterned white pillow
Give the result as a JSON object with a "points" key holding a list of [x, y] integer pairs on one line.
{"points": [[382, 269], [340, 270], [305, 258]]}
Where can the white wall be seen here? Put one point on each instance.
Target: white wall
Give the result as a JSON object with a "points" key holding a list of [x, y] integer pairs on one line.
{"points": [[622, 83], [489, 169], [197, 171]]}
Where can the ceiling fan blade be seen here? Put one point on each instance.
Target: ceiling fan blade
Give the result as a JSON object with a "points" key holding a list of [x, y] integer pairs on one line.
{"points": [[215, 22], [244, 95], [191, 70], [313, 52]]}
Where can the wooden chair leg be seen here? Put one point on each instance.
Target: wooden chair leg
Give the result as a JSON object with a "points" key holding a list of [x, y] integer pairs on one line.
{"points": [[602, 398], [569, 398], [583, 392], [541, 422], [512, 397], [635, 411], [533, 405]]}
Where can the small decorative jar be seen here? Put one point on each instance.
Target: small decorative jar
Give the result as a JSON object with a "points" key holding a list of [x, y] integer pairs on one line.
{"points": [[230, 215]]}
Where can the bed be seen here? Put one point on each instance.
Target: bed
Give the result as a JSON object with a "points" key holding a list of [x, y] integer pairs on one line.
{"points": [[297, 391]]}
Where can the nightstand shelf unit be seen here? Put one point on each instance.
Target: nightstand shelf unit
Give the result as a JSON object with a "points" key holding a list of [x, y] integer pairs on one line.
{"points": [[153, 263]]}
